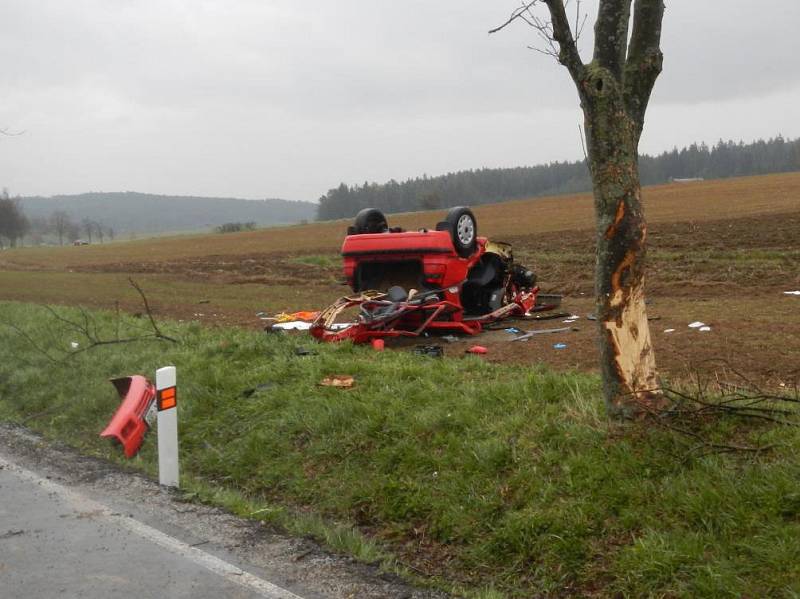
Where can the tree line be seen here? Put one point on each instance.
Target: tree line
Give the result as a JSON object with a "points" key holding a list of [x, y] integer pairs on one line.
{"points": [[15, 226], [491, 185]]}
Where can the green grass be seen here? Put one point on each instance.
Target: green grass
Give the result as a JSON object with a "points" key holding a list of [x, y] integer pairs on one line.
{"points": [[502, 480]]}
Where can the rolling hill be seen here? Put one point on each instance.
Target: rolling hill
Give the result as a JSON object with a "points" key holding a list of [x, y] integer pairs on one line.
{"points": [[148, 213]]}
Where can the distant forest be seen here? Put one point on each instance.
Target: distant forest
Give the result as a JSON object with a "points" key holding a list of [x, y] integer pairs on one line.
{"points": [[491, 185]]}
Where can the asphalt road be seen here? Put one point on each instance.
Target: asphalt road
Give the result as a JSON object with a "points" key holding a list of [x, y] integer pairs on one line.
{"points": [[55, 542], [77, 526]]}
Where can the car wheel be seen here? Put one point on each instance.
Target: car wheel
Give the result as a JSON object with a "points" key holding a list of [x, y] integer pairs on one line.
{"points": [[370, 220], [463, 230]]}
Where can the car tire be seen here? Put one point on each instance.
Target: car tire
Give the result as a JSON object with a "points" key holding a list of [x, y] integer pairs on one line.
{"points": [[463, 230], [370, 220]]}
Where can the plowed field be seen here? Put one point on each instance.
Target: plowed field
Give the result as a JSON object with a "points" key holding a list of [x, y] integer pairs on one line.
{"points": [[722, 252]]}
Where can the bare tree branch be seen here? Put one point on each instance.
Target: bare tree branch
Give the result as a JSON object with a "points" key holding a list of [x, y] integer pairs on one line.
{"points": [[149, 312], [557, 30], [88, 330], [568, 54], [29, 339], [645, 58]]}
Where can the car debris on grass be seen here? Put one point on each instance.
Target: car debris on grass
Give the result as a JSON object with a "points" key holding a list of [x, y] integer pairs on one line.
{"points": [[340, 381]]}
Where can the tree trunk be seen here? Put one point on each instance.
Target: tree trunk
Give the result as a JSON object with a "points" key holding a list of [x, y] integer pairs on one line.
{"points": [[630, 381]]}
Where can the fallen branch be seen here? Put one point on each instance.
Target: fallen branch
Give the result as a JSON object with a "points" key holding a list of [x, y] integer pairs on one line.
{"points": [[686, 413], [158, 333], [87, 328]]}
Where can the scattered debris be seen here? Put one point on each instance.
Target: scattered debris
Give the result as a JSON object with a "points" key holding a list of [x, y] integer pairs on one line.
{"points": [[547, 316], [432, 351], [696, 324], [513, 330], [791, 292], [547, 301], [304, 351], [342, 381], [292, 325], [591, 317], [559, 346], [477, 349], [258, 389], [527, 336], [669, 330], [705, 329], [303, 316], [378, 344], [450, 338], [74, 344]]}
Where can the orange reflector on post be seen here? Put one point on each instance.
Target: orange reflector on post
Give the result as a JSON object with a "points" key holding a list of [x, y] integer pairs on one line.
{"points": [[167, 398]]}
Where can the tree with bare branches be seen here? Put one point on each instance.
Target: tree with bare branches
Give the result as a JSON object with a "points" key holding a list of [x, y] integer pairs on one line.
{"points": [[63, 226], [614, 90], [14, 225]]}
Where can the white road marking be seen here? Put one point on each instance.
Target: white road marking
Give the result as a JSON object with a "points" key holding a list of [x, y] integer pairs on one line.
{"points": [[198, 556]]}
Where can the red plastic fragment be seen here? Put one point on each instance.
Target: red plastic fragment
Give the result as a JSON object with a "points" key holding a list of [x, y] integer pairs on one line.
{"points": [[477, 349], [128, 425]]}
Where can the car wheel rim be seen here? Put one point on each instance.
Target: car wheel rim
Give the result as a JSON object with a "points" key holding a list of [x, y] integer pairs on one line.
{"points": [[465, 229]]}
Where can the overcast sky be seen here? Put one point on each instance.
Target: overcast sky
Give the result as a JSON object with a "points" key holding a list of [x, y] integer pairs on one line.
{"points": [[280, 98]]}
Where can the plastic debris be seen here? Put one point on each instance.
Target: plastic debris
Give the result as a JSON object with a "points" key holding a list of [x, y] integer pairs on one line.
{"points": [[559, 346], [432, 351], [696, 324], [258, 389], [74, 344], [513, 330], [527, 336], [549, 316], [305, 316], [340, 381], [704, 329], [669, 330], [377, 344], [304, 351], [477, 349], [791, 292], [294, 325]]}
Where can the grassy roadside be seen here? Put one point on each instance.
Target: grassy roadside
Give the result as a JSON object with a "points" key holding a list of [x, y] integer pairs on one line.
{"points": [[490, 477]]}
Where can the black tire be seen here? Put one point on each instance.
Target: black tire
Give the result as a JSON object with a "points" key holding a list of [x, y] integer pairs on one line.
{"points": [[370, 220], [463, 230]]}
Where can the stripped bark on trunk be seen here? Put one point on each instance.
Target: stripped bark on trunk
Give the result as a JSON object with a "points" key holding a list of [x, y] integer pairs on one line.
{"points": [[614, 90]]}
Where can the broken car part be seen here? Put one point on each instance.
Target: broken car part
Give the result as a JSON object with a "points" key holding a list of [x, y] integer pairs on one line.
{"points": [[129, 423]]}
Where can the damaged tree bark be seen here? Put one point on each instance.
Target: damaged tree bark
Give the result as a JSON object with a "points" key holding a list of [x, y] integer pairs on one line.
{"points": [[614, 89]]}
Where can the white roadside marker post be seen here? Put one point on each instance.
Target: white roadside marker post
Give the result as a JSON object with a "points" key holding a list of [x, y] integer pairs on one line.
{"points": [[167, 400]]}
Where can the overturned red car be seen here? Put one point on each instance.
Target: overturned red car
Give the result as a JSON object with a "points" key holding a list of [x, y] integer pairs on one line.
{"points": [[406, 282]]}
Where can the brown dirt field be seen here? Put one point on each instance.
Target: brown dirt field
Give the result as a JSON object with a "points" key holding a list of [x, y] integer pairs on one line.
{"points": [[719, 251], [681, 202]]}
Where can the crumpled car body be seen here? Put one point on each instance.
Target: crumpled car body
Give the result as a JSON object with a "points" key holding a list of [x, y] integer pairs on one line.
{"points": [[408, 282]]}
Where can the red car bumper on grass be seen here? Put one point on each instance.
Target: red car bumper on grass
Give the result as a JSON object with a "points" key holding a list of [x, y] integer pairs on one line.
{"points": [[129, 424]]}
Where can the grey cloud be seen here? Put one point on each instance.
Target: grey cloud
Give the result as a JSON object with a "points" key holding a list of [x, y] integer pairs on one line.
{"points": [[257, 98]]}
